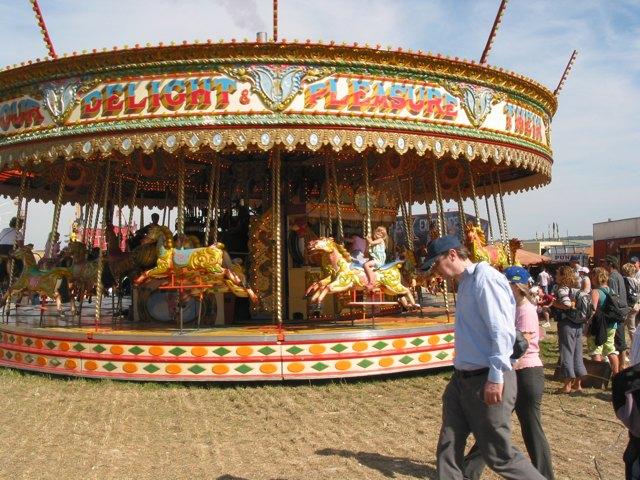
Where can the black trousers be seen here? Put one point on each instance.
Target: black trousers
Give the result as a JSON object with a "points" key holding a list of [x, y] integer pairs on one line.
{"points": [[630, 456], [619, 340], [528, 400]]}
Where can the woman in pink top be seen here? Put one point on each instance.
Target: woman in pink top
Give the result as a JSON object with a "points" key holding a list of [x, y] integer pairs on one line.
{"points": [[530, 373]]}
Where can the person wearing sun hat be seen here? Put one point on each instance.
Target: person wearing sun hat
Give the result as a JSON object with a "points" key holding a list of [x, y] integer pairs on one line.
{"points": [[481, 394], [530, 381]]}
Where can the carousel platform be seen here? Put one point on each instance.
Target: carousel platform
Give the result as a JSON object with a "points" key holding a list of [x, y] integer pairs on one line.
{"points": [[243, 351]]}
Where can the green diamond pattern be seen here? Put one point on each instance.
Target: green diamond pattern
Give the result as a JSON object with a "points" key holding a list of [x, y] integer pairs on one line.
{"points": [[109, 367], [339, 348], [406, 360], [136, 350], [78, 347], [196, 369], [243, 369], [320, 366], [29, 358], [177, 351], [442, 355], [9, 355], [99, 348], [366, 363], [379, 345], [266, 350], [51, 345], [55, 362], [294, 350], [12, 338], [28, 342], [448, 337], [417, 342], [221, 351], [151, 368]]}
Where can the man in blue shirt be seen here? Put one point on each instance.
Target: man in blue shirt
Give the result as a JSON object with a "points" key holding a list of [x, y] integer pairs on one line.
{"points": [[481, 395]]}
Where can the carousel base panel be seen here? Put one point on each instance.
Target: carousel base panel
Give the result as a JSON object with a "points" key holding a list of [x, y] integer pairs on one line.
{"points": [[125, 350]]}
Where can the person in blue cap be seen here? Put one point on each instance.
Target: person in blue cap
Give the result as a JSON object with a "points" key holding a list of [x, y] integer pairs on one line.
{"points": [[530, 381], [481, 394]]}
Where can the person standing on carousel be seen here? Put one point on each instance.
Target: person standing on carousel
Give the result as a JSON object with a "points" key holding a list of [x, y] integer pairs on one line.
{"points": [[481, 395], [10, 236]]}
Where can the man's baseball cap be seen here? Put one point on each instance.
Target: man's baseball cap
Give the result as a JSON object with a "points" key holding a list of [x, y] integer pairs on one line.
{"points": [[516, 274], [437, 247], [612, 260]]}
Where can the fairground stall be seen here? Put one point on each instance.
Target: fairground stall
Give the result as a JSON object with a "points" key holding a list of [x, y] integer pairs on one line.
{"points": [[275, 155]]}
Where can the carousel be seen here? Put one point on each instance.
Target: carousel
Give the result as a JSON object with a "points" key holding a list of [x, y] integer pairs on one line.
{"points": [[277, 159]]}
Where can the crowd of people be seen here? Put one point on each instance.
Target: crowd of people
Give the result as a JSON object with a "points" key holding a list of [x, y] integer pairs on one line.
{"points": [[494, 374]]}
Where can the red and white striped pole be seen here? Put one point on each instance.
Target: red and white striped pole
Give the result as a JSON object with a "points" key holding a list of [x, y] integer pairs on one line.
{"points": [[275, 20], [43, 29]]}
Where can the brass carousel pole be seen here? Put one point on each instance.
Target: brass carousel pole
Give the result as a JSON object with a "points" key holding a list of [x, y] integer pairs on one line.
{"points": [[132, 204], [461, 216], [336, 197], [23, 186], [405, 215], [277, 235], [473, 193], [119, 199], [367, 201], [56, 210], [504, 222], [211, 186], [99, 285], [181, 186], [89, 207], [216, 201], [486, 201], [328, 195], [436, 183], [495, 204]]}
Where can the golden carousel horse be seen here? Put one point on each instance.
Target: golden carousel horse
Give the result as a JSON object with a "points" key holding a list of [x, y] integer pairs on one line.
{"points": [[495, 254], [419, 278], [32, 280], [197, 266], [344, 275]]}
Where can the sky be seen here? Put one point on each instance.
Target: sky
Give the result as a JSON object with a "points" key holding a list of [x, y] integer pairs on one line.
{"points": [[595, 133]]}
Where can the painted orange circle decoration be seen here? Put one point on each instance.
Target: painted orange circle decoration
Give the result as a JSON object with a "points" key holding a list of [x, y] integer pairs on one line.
{"points": [[18, 357], [39, 343], [385, 362], [198, 351], [359, 346], [244, 351], [220, 369], [399, 343], [64, 346], [130, 367], [90, 365], [425, 357], [295, 367], [268, 368], [116, 350], [70, 364], [156, 351], [173, 369], [343, 365], [42, 361], [434, 340], [317, 349]]}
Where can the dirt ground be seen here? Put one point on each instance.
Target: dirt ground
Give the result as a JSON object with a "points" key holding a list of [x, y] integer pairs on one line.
{"points": [[56, 428]]}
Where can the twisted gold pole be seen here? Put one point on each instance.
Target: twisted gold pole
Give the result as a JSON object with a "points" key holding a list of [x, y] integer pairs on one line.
{"points": [[277, 234], [436, 182], [132, 203], [119, 199], [56, 210], [102, 191], [216, 201], [495, 204], [405, 215], [99, 285], [504, 221], [23, 186], [486, 202], [88, 217], [336, 196], [367, 199], [181, 186], [211, 185], [461, 216], [472, 181], [328, 194]]}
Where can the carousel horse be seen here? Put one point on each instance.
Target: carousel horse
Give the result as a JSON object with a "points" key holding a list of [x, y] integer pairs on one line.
{"points": [[419, 278], [205, 265], [346, 275], [32, 280], [496, 255]]}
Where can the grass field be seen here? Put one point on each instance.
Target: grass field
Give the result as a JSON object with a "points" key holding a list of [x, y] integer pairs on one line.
{"points": [[57, 428]]}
